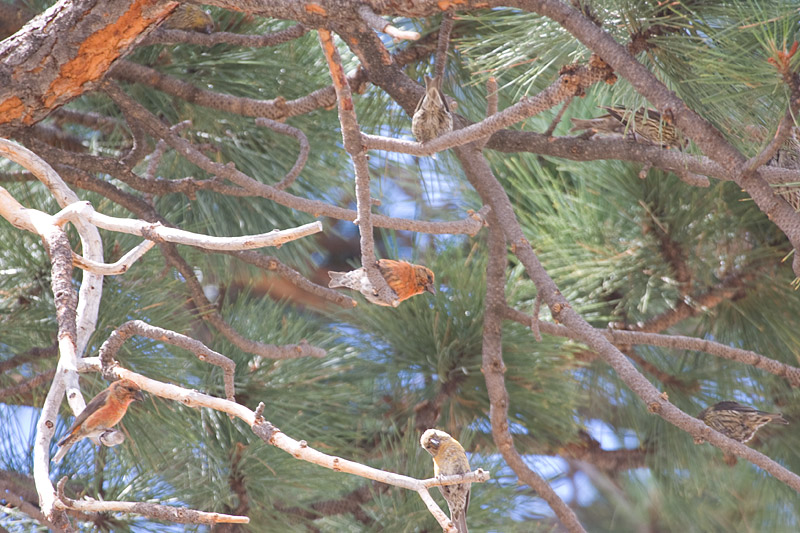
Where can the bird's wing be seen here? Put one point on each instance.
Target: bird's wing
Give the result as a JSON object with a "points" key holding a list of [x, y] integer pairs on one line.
{"points": [[733, 406], [91, 408]]}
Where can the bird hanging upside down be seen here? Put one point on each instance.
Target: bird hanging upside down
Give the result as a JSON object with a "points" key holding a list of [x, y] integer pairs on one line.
{"points": [[405, 279], [102, 413], [432, 117]]}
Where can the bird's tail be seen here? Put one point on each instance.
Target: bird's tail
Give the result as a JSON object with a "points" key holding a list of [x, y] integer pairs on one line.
{"points": [[336, 279], [63, 446], [62, 451], [778, 419]]}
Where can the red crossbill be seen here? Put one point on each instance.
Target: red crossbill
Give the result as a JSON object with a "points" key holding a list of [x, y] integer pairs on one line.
{"points": [[103, 412], [405, 279], [449, 459], [432, 116], [737, 421], [644, 124]]}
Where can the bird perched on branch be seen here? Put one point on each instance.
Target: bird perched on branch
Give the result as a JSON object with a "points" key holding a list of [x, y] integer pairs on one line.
{"points": [[737, 421], [644, 124], [189, 17], [449, 459], [405, 279], [101, 414], [432, 116]]}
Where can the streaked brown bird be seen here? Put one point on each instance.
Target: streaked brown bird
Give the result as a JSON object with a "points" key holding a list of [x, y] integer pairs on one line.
{"points": [[189, 17], [449, 459], [432, 116], [405, 279], [645, 124], [737, 421], [102, 413]]}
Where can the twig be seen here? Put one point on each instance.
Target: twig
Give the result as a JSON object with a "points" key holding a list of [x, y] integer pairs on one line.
{"points": [[493, 369], [209, 313], [352, 144], [379, 24], [469, 225], [273, 264], [302, 157], [160, 233], [537, 305], [127, 330], [781, 135], [442, 44], [678, 342], [167, 36], [112, 269], [552, 127], [179, 515]]}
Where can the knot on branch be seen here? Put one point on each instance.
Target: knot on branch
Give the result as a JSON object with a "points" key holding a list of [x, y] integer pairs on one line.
{"points": [[654, 407], [151, 233]]}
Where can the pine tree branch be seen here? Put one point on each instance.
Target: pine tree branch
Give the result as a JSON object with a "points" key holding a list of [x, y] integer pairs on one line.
{"points": [[469, 225], [678, 342], [275, 437], [117, 338], [480, 175], [493, 369], [34, 354], [12, 498], [178, 515], [732, 287], [443, 42], [118, 267], [383, 26], [351, 136], [703, 133], [83, 211], [25, 388]]}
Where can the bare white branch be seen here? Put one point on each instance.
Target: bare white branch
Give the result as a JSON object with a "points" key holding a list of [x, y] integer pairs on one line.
{"points": [[113, 269], [298, 449], [84, 211], [179, 515]]}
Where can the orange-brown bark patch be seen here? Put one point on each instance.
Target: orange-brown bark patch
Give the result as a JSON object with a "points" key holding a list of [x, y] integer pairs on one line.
{"points": [[11, 109], [315, 9], [98, 51]]}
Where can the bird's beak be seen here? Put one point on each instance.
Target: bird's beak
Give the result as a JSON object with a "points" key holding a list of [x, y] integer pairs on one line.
{"points": [[430, 288], [138, 397]]}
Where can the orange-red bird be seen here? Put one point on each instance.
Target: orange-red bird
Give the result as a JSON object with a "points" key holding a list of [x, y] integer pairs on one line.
{"points": [[405, 279], [102, 413], [449, 459]]}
